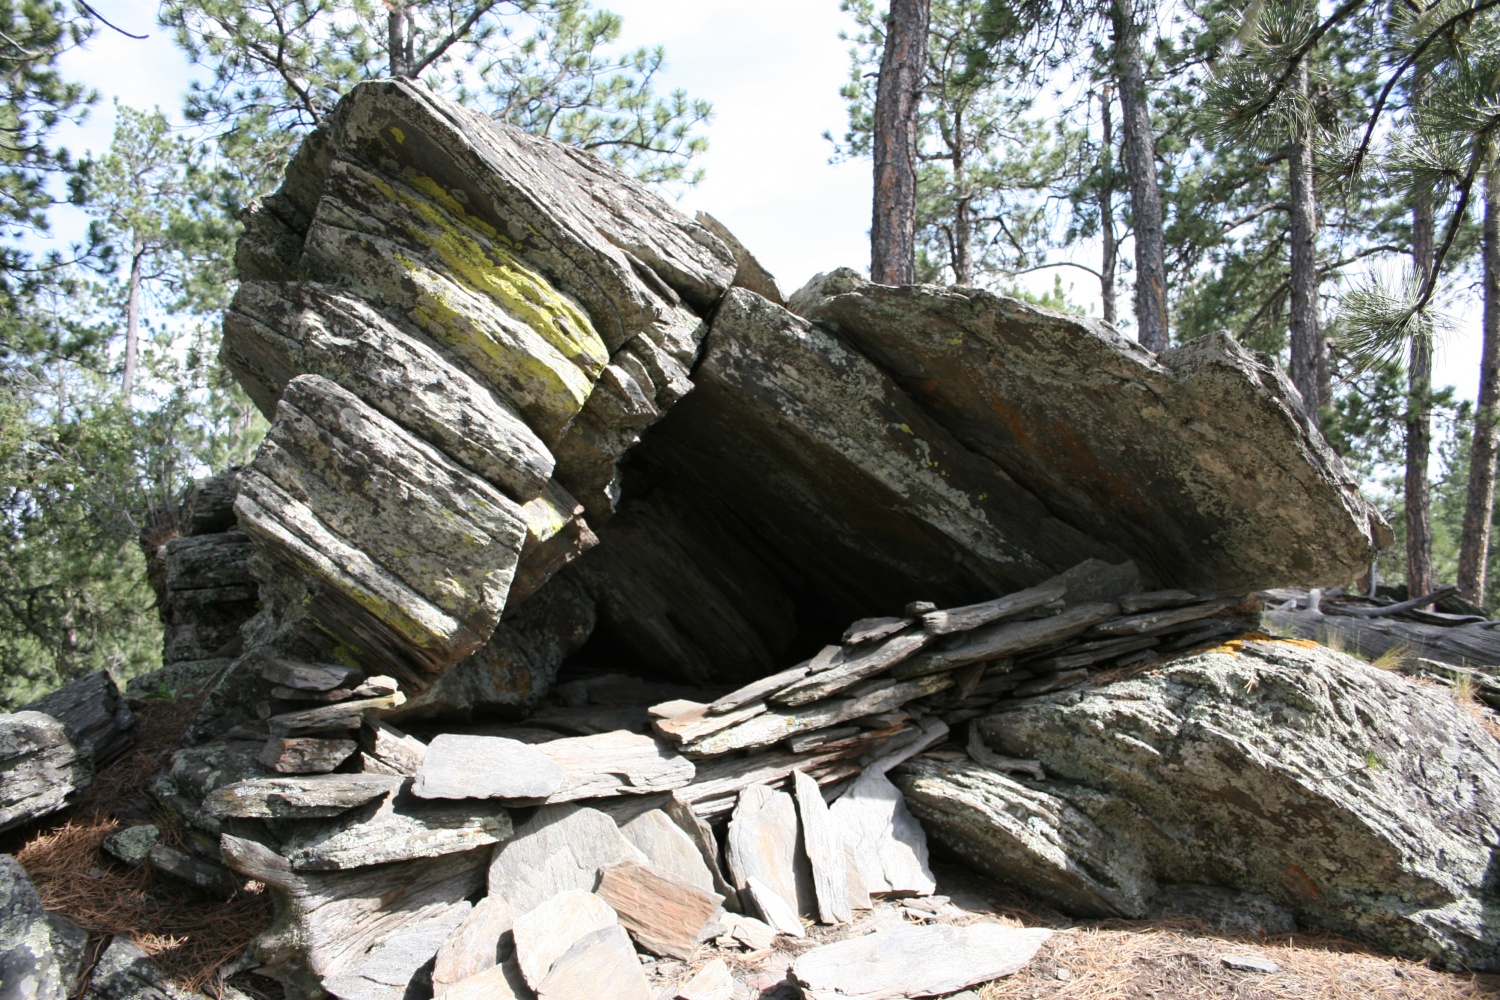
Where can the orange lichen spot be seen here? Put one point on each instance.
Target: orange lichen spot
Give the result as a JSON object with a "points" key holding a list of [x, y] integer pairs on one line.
{"points": [[1232, 647]]}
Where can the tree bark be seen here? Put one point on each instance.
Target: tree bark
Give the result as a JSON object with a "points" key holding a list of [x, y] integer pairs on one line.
{"points": [[132, 322], [1479, 505], [963, 223], [1140, 165], [398, 38], [898, 95], [1107, 211], [1309, 357], [1419, 576]]}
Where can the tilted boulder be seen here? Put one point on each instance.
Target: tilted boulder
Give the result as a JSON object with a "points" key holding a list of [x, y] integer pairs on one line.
{"points": [[1361, 802], [456, 328], [1199, 463], [42, 767]]}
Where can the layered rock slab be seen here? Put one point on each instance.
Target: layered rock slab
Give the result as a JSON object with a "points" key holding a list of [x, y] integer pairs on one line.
{"points": [[1362, 803], [1199, 463], [468, 297]]}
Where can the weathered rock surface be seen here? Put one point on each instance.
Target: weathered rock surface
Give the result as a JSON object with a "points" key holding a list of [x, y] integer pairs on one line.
{"points": [[397, 827], [485, 767], [97, 719], [206, 593], [33, 961], [915, 961], [668, 847], [475, 299], [311, 797], [1198, 464], [331, 929], [560, 847], [125, 972], [1356, 800], [40, 765], [196, 772]]}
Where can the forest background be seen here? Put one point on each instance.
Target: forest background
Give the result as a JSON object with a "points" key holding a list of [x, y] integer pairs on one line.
{"points": [[1372, 121]]}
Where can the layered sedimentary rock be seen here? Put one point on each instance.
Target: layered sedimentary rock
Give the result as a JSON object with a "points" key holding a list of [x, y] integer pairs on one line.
{"points": [[456, 328], [1355, 799], [483, 353]]}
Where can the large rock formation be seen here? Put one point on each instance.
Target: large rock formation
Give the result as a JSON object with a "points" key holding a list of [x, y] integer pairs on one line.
{"points": [[1361, 802], [457, 329]]}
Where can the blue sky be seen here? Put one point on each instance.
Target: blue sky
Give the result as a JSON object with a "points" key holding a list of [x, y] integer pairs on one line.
{"points": [[771, 68]]}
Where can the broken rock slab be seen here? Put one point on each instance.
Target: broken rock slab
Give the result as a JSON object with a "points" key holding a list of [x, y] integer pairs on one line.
{"points": [[886, 841], [560, 847], [544, 933], [481, 942], [1362, 803], [764, 842], [341, 921], [396, 827], [664, 914], [99, 721], [485, 767], [907, 961], [42, 767], [1199, 463]]}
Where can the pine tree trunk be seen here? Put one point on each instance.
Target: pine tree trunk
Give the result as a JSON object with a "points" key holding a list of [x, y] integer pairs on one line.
{"points": [[397, 41], [1479, 505], [132, 323], [1309, 359], [1140, 165], [1419, 578], [1107, 212], [963, 222], [898, 95]]}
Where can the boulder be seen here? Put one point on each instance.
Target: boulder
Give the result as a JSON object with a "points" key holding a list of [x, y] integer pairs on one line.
{"points": [[36, 960], [98, 721], [488, 320], [1199, 463], [1347, 795], [125, 972], [42, 767]]}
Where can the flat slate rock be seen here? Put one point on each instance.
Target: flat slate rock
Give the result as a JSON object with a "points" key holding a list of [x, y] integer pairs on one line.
{"points": [[306, 754], [600, 964], [398, 827], [764, 842], [666, 915], [560, 847], [98, 720], [712, 982], [669, 847], [201, 874], [609, 764], [314, 797], [544, 933], [780, 914], [911, 961], [485, 767], [42, 767], [502, 981], [824, 843], [888, 842], [131, 845], [389, 970], [481, 942]]}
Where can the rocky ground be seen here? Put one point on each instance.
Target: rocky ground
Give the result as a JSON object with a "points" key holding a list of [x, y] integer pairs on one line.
{"points": [[188, 935]]}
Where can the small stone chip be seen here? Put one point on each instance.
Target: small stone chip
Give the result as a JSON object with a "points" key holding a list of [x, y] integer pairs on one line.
{"points": [[1249, 963]]}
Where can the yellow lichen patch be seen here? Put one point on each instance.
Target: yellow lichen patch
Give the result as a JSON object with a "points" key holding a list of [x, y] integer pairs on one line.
{"points": [[544, 518], [497, 273], [1232, 647]]}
